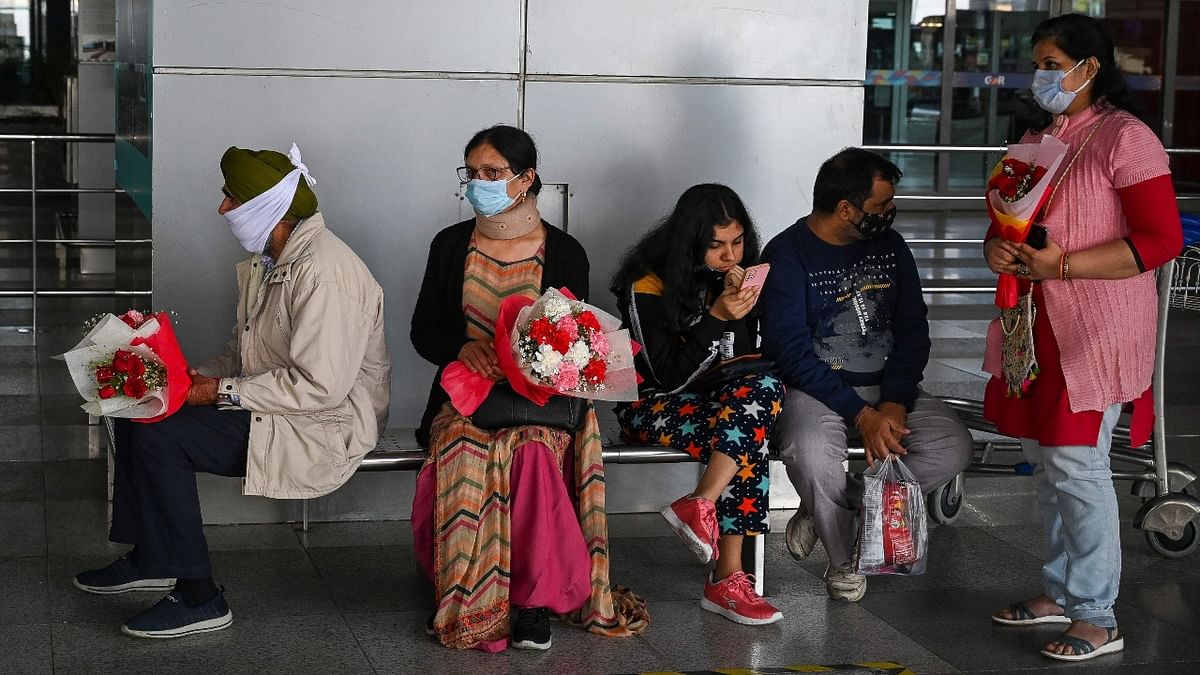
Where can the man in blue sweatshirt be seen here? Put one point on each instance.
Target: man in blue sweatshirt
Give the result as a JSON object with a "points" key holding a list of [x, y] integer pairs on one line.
{"points": [[845, 322]]}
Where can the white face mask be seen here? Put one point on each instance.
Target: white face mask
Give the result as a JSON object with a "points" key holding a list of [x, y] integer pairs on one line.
{"points": [[253, 221], [1048, 90]]}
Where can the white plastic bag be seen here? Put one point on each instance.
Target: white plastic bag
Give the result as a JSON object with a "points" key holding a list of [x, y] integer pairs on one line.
{"points": [[893, 537]]}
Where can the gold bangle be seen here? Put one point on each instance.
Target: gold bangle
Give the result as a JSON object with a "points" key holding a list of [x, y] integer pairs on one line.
{"points": [[1066, 267]]}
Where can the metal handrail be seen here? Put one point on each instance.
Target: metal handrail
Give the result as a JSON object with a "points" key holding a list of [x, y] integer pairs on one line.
{"points": [[97, 293], [70, 138], [78, 242], [64, 191], [33, 240], [918, 147], [967, 149]]}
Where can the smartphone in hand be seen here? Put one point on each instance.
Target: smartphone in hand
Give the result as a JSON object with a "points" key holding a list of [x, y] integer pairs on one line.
{"points": [[1037, 236], [755, 276]]}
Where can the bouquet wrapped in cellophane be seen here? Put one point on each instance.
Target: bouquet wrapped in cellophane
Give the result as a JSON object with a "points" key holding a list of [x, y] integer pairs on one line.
{"points": [[1016, 192], [555, 345], [130, 366]]}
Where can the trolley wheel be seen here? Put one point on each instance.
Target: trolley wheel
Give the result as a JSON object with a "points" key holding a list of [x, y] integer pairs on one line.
{"points": [[1167, 547], [945, 503]]}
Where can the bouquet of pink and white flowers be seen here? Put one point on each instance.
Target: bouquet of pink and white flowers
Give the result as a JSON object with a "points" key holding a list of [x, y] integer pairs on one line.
{"points": [[555, 345], [130, 366]]}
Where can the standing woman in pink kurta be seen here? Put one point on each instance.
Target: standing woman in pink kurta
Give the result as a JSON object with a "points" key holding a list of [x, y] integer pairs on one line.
{"points": [[1112, 220]]}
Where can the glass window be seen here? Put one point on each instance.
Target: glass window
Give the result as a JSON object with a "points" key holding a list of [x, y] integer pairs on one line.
{"points": [[14, 49], [992, 104], [903, 83], [1186, 132]]}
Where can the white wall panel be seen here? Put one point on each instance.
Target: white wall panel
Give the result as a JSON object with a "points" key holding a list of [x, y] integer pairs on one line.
{"points": [[699, 38], [384, 148], [628, 151], [358, 35], [383, 151]]}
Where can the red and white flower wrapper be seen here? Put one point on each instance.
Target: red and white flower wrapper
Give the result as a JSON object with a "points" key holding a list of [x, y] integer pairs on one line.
{"points": [[1013, 219], [468, 390], [154, 341]]}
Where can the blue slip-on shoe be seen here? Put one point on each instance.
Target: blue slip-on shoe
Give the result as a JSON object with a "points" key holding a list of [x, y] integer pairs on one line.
{"points": [[120, 577], [172, 618]]}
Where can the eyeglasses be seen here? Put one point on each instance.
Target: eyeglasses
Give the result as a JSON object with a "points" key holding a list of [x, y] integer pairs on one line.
{"points": [[466, 174]]}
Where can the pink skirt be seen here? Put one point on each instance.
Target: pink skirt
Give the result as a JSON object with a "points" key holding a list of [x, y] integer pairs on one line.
{"points": [[551, 567]]}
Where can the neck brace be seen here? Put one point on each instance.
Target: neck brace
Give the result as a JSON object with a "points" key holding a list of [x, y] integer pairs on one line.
{"points": [[518, 221]]}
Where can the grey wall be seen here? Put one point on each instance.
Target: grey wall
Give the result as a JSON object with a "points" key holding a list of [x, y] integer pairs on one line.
{"points": [[629, 101]]}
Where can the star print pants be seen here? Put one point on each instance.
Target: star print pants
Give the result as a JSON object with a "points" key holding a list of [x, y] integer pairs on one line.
{"points": [[736, 420]]}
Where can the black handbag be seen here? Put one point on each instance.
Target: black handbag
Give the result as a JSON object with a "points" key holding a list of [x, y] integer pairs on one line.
{"points": [[504, 408], [727, 371]]}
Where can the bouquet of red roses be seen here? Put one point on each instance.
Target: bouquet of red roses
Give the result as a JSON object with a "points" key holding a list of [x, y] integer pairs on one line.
{"points": [[555, 345], [130, 366], [1016, 192]]}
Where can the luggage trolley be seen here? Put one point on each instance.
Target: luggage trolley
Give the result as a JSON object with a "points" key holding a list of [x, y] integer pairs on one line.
{"points": [[1168, 516]]}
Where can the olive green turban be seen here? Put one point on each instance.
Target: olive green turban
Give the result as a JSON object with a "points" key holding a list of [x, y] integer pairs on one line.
{"points": [[249, 173]]}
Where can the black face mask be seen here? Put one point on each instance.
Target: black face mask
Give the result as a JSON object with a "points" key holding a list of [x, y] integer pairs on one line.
{"points": [[874, 224]]}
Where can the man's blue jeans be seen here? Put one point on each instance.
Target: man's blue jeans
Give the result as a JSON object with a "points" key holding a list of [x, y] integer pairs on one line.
{"points": [[1081, 526]]}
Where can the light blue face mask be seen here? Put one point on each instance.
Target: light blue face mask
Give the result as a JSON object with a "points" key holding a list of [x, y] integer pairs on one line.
{"points": [[1048, 90], [489, 197]]}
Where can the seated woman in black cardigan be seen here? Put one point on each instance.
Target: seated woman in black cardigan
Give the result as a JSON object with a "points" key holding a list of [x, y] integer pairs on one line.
{"points": [[495, 515]]}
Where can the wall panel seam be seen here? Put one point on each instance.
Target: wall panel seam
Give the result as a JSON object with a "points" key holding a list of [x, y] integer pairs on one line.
{"points": [[658, 79], [335, 73], [502, 76]]}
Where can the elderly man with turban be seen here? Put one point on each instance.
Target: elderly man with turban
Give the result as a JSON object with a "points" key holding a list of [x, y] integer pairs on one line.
{"points": [[297, 399]]}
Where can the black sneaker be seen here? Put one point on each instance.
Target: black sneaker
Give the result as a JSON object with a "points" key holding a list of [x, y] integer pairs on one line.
{"points": [[120, 577], [531, 630], [429, 629], [172, 618]]}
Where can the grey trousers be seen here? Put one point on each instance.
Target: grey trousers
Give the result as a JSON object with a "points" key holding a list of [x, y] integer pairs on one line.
{"points": [[812, 442]]}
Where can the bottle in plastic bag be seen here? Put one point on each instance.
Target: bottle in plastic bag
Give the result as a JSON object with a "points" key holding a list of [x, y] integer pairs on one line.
{"points": [[893, 537]]}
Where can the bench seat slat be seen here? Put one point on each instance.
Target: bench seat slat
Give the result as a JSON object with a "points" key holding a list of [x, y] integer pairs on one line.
{"points": [[397, 449]]}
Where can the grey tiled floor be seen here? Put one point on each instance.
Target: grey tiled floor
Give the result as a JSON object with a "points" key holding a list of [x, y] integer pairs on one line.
{"points": [[347, 597]]}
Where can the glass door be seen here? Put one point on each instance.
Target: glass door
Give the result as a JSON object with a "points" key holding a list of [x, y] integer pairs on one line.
{"points": [[1185, 132], [903, 84], [1137, 28], [990, 99], [985, 97]]}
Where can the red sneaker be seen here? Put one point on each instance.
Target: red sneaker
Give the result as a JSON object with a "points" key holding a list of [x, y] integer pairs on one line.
{"points": [[734, 598], [695, 521]]}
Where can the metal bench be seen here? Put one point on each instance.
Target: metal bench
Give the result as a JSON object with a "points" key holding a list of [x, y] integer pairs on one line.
{"points": [[1166, 518], [397, 450]]}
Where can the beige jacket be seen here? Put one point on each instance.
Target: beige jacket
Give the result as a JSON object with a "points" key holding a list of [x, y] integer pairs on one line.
{"points": [[309, 360]]}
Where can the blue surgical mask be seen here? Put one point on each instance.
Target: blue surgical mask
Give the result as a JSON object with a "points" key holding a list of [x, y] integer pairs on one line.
{"points": [[489, 197], [1048, 90]]}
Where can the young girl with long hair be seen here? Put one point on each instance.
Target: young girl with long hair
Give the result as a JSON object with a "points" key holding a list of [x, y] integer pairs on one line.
{"points": [[680, 292]]}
